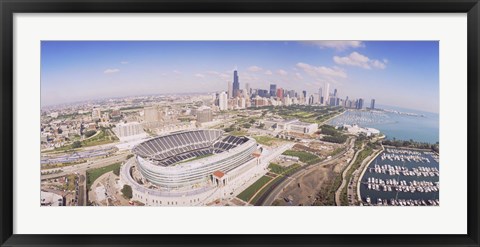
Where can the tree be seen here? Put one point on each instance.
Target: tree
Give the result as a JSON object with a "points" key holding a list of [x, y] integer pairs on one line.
{"points": [[116, 171], [60, 131], [90, 133], [247, 125], [76, 144], [127, 191]]}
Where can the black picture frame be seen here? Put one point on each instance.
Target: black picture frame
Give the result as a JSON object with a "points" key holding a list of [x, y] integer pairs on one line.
{"points": [[10, 7]]}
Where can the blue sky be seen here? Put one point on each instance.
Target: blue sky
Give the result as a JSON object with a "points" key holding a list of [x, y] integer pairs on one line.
{"points": [[397, 73]]}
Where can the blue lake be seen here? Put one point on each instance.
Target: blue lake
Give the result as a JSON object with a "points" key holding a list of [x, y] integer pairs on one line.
{"points": [[422, 127]]}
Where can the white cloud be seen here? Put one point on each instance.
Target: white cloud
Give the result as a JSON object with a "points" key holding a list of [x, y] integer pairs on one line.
{"points": [[268, 72], [176, 72], [219, 74], [338, 45], [379, 65], [200, 75], [359, 60], [299, 76], [322, 71], [124, 62], [111, 71], [254, 68], [282, 72]]}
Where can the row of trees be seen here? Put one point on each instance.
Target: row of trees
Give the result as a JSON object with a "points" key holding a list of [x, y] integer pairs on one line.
{"points": [[412, 144], [332, 135]]}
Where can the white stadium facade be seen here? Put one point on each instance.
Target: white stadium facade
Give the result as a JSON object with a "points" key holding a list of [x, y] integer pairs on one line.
{"points": [[195, 167]]}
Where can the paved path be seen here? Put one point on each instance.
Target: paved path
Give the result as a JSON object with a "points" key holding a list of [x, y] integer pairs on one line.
{"points": [[344, 181], [278, 189]]}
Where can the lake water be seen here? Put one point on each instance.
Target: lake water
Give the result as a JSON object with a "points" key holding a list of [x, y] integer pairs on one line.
{"points": [[423, 127], [371, 173]]}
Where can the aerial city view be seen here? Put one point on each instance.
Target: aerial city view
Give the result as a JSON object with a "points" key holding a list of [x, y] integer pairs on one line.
{"points": [[239, 123]]}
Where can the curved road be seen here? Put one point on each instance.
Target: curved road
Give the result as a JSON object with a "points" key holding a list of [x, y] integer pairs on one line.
{"points": [[269, 196]]}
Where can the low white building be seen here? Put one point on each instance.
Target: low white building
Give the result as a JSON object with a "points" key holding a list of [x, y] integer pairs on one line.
{"points": [[355, 129], [293, 125]]}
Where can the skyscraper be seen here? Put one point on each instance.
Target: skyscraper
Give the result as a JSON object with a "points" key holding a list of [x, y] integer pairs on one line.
{"points": [[230, 92], [304, 94], [335, 92], [222, 101], [280, 93], [372, 104], [247, 89], [236, 84], [360, 104], [327, 94], [273, 90]]}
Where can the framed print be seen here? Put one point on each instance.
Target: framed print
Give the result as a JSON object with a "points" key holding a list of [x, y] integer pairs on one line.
{"points": [[239, 123]]}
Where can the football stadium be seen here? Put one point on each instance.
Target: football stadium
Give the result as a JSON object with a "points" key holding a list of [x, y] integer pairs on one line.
{"points": [[193, 167]]}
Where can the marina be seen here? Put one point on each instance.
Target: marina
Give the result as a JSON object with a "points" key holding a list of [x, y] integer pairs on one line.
{"points": [[402, 177]]}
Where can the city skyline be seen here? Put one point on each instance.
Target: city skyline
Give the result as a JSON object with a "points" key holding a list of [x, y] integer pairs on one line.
{"points": [[402, 74]]}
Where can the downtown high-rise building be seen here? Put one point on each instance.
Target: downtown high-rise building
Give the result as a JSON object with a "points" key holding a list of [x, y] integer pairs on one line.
{"points": [[273, 90], [223, 101], [304, 94], [320, 96], [236, 84], [326, 98], [230, 90], [263, 93], [360, 104], [247, 89], [372, 104], [280, 93]]}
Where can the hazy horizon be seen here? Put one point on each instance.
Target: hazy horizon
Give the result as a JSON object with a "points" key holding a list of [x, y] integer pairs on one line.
{"points": [[396, 73]]}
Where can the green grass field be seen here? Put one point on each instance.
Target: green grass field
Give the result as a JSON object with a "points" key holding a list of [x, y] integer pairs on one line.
{"points": [[238, 133], [257, 197], [265, 140], [247, 194], [93, 174], [275, 168], [103, 137], [304, 156], [196, 158]]}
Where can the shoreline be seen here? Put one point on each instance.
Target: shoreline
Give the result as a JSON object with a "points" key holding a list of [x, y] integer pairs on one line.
{"points": [[366, 125], [363, 173], [419, 149]]}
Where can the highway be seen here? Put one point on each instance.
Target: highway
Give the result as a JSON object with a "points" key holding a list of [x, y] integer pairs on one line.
{"points": [[81, 168]]}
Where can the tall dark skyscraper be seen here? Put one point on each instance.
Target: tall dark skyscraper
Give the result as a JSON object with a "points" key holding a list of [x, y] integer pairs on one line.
{"points": [[372, 104], [236, 84], [304, 94], [273, 90], [360, 104]]}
